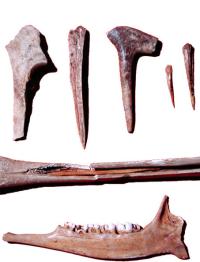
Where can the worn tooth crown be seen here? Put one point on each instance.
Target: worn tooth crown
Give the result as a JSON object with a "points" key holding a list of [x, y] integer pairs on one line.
{"points": [[101, 229]]}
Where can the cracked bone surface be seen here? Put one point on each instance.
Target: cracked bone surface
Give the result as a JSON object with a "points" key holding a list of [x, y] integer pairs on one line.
{"points": [[131, 44], [18, 175], [30, 62], [169, 75], [164, 235], [188, 53], [79, 61]]}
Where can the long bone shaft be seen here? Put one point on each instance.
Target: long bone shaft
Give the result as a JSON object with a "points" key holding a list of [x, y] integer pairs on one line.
{"points": [[17, 175]]}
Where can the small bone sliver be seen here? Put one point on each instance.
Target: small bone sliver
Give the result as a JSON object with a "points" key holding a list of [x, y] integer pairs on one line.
{"points": [[131, 44], [30, 62], [164, 235], [79, 56], [169, 75]]}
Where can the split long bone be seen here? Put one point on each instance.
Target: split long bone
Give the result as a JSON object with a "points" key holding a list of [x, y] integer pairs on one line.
{"points": [[18, 175]]}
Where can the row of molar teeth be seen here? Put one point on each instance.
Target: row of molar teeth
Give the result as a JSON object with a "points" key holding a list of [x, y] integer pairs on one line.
{"points": [[69, 226], [108, 228]]}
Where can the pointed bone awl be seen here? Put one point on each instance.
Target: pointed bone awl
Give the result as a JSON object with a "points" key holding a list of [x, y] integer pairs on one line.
{"points": [[188, 53], [79, 60], [30, 62], [131, 44], [169, 75], [164, 235]]}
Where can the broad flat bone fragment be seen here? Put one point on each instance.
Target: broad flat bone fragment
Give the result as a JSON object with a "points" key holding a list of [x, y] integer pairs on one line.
{"points": [[164, 235], [188, 53], [131, 44], [30, 62], [79, 57], [169, 75], [19, 175]]}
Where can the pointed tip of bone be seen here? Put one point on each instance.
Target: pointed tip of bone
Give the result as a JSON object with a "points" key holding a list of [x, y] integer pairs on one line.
{"points": [[83, 142], [130, 127], [193, 102]]}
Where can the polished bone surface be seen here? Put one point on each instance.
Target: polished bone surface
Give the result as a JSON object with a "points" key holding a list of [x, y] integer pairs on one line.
{"points": [[164, 235]]}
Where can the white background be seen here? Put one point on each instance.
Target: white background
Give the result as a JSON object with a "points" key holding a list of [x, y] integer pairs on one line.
{"points": [[160, 130]]}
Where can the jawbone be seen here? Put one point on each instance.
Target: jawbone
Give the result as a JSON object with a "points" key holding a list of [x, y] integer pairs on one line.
{"points": [[164, 235]]}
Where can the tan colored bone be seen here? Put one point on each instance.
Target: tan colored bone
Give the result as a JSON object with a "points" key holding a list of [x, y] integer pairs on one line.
{"points": [[169, 76], [164, 235], [131, 44], [30, 62], [18, 175], [188, 53], [79, 51]]}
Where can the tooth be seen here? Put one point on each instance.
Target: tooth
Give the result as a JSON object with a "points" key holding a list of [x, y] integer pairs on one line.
{"points": [[128, 227], [69, 226], [120, 228], [92, 228], [102, 228], [81, 229], [85, 228], [136, 227], [110, 228]]}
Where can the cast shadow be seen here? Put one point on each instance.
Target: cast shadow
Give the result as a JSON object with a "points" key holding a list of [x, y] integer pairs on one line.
{"points": [[85, 86]]}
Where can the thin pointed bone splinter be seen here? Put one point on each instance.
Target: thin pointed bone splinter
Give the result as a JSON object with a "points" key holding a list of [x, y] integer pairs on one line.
{"points": [[164, 235], [79, 60], [188, 53], [30, 61], [131, 44], [169, 75]]}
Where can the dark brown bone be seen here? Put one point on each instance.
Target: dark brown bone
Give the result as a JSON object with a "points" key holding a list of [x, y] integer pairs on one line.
{"points": [[164, 235], [169, 75], [188, 53], [131, 44], [79, 52], [30, 62], [17, 175]]}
